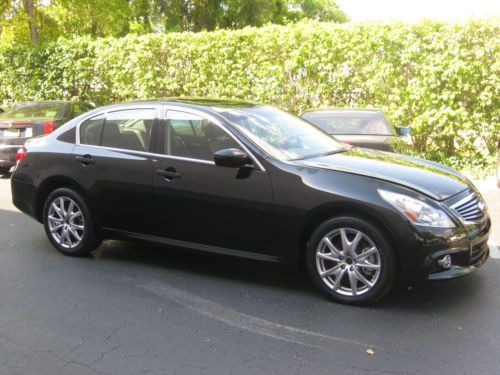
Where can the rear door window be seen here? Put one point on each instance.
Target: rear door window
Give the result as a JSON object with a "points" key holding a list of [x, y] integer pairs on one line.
{"points": [[91, 131], [129, 129]]}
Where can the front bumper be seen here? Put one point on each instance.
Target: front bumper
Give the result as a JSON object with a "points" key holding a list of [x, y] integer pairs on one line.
{"points": [[468, 248], [459, 271]]}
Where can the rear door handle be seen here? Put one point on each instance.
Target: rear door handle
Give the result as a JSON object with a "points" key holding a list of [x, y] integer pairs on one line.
{"points": [[169, 173], [85, 159]]}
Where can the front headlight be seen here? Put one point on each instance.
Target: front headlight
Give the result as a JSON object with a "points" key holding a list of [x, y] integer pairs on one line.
{"points": [[419, 212]]}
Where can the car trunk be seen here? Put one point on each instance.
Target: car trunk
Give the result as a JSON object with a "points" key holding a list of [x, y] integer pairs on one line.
{"points": [[377, 142], [15, 132]]}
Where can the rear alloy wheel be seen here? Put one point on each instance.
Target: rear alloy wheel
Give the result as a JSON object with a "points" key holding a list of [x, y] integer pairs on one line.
{"points": [[350, 260], [68, 223]]}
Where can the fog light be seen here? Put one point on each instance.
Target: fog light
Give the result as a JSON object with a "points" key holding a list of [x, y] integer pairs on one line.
{"points": [[445, 262]]}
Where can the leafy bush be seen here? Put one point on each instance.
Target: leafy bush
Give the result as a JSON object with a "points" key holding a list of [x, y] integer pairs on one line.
{"points": [[440, 78]]}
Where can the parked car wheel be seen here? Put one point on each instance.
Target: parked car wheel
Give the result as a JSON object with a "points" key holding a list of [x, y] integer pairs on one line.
{"points": [[68, 223], [350, 260], [4, 170]]}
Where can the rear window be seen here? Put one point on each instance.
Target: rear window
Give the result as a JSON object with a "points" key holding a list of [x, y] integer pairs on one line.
{"points": [[372, 123], [33, 110]]}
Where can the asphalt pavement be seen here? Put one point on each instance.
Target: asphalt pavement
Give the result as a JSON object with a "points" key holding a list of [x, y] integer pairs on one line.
{"points": [[142, 309]]}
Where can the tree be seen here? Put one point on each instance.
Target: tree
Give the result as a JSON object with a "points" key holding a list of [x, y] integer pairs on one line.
{"points": [[30, 9], [39, 21]]}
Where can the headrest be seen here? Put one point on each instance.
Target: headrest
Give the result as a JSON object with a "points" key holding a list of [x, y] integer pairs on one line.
{"points": [[213, 131], [111, 131]]}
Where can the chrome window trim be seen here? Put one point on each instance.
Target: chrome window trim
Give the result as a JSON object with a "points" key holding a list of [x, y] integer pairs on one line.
{"points": [[106, 111], [162, 110]]}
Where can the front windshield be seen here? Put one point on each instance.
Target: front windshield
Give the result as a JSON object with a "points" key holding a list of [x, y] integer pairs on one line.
{"points": [[280, 134]]}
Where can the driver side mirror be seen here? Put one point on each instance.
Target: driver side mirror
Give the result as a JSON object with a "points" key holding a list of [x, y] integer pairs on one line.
{"points": [[403, 131], [232, 158]]}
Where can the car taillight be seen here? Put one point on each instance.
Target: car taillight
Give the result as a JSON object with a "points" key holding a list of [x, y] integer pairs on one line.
{"points": [[49, 126], [21, 154]]}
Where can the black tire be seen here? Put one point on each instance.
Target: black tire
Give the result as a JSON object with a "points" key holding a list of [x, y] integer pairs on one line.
{"points": [[89, 240], [4, 170], [385, 259]]}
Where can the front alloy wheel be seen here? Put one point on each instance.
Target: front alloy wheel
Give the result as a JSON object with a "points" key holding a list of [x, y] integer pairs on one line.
{"points": [[350, 260]]}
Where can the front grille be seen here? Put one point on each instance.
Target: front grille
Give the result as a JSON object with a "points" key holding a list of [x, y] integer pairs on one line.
{"points": [[471, 209]]}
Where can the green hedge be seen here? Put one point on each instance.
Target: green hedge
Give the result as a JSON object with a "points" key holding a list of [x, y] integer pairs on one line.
{"points": [[441, 78]]}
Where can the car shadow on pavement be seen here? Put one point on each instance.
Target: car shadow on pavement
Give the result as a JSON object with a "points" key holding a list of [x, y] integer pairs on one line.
{"points": [[437, 297], [213, 266]]}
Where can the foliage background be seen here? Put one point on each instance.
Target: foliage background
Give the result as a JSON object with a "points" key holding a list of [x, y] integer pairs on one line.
{"points": [[440, 78]]}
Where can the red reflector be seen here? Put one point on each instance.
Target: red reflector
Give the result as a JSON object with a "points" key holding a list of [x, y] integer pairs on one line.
{"points": [[49, 127], [347, 142], [21, 154]]}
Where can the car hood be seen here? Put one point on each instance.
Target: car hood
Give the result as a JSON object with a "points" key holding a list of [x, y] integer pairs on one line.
{"points": [[429, 178]]}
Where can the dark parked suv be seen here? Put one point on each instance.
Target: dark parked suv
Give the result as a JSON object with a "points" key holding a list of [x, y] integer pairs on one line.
{"points": [[30, 119], [251, 181]]}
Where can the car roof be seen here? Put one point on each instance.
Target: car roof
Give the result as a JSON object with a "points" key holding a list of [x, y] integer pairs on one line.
{"points": [[45, 102], [346, 110], [199, 103]]}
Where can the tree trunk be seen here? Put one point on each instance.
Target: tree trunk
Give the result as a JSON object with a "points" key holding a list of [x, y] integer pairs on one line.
{"points": [[29, 8]]}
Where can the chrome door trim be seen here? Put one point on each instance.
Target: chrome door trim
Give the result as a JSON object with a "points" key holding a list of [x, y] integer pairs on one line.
{"points": [[152, 154]]}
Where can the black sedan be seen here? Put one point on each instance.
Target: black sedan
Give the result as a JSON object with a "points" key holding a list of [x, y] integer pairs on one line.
{"points": [[235, 178], [26, 120], [368, 128]]}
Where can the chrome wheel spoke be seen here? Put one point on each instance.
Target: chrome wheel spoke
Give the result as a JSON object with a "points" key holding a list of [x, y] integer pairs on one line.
{"points": [[331, 271], [75, 234], [354, 244], [53, 218], [56, 228], [361, 278], [338, 279], [353, 280], [75, 215], [330, 246], [345, 241], [365, 254], [61, 207], [56, 208], [328, 256], [368, 266]]}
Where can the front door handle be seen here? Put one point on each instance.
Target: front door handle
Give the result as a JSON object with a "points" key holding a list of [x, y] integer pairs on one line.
{"points": [[169, 173], [85, 159]]}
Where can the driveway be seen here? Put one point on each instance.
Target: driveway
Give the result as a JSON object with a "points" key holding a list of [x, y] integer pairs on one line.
{"points": [[141, 309]]}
